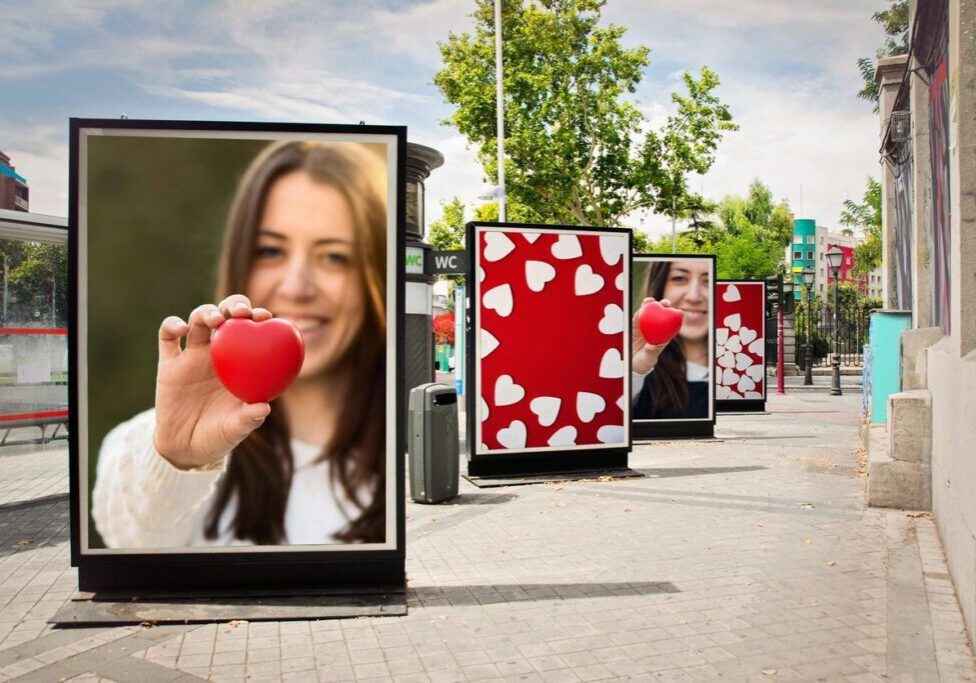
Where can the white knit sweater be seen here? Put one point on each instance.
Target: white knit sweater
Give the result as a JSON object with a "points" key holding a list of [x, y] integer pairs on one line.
{"points": [[141, 501]]}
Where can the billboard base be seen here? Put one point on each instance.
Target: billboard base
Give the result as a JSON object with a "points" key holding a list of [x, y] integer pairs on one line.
{"points": [[521, 480], [740, 406], [547, 463], [670, 429], [86, 609]]}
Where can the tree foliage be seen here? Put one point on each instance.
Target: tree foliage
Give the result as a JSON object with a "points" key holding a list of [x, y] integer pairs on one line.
{"points": [[37, 282], [443, 325], [578, 151], [894, 21], [747, 234], [866, 216]]}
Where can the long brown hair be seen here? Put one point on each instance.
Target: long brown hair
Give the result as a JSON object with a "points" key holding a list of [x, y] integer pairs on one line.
{"points": [[670, 387], [356, 451]]}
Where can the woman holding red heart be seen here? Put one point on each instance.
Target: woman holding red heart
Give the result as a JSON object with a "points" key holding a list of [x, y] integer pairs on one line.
{"points": [[305, 243], [671, 377]]}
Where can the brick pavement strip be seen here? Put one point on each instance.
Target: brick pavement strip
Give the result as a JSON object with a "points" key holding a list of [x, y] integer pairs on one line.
{"points": [[738, 556]]}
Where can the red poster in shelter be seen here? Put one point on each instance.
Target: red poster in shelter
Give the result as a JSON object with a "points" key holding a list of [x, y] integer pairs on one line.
{"points": [[740, 342], [553, 359]]}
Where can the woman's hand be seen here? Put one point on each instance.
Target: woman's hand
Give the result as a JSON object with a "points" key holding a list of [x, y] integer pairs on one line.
{"points": [[644, 356], [197, 420]]}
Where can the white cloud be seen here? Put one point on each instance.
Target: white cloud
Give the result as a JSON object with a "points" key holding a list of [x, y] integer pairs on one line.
{"points": [[416, 30]]}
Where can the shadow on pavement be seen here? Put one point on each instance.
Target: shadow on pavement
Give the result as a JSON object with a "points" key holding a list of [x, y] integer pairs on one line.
{"points": [[505, 593], [664, 472]]}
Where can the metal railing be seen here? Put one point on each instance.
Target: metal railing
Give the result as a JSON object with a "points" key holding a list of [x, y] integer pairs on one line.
{"points": [[847, 333]]}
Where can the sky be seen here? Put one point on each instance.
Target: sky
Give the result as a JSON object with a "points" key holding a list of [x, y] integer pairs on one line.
{"points": [[788, 72]]}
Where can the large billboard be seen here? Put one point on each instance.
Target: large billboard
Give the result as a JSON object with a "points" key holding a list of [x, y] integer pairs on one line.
{"points": [[740, 345], [672, 390], [549, 348], [234, 354]]}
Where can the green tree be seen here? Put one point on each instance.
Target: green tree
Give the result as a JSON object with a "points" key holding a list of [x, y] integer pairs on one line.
{"points": [[447, 232], [894, 20], [578, 151], [866, 216]]}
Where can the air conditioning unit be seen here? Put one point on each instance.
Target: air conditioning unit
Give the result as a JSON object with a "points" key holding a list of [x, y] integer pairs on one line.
{"points": [[900, 127]]}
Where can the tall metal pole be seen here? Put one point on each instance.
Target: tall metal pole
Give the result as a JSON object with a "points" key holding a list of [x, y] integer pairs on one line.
{"points": [[808, 377], [499, 96], [835, 387], [674, 232], [780, 321]]}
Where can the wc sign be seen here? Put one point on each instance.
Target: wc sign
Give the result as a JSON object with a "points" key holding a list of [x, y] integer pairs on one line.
{"points": [[445, 262]]}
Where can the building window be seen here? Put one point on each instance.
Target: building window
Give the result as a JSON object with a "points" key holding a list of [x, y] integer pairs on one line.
{"points": [[810, 239], [797, 255], [797, 239], [810, 255]]}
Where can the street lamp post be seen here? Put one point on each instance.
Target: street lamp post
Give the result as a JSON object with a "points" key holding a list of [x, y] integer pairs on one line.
{"points": [[808, 276], [834, 259]]}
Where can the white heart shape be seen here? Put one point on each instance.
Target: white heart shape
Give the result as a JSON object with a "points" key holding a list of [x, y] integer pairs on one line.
{"points": [[500, 300], [507, 391], [726, 360], [567, 247], [731, 294], [758, 347], [612, 247], [587, 282], [620, 402], [481, 274], [613, 319], [722, 391], [512, 436], [484, 409], [733, 322], [733, 344], [563, 437], [610, 434], [488, 343], [588, 405], [546, 408], [530, 237], [497, 246], [746, 384], [719, 350], [742, 361], [537, 274], [619, 282], [721, 334], [747, 335], [756, 372], [729, 377], [612, 364], [754, 395]]}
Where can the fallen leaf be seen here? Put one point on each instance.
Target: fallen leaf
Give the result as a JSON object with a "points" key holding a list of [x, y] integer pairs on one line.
{"points": [[148, 624], [604, 478], [234, 623], [807, 541], [769, 672], [626, 509], [22, 542], [918, 514], [763, 526], [831, 563], [805, 506]]}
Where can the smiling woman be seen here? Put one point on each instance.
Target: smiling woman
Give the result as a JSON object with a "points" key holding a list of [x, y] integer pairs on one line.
{"points": [[672, 380], [306, 241]]}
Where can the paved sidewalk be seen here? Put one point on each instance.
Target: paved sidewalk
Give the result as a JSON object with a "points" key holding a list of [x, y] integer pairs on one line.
{"points": [[750, 557]]}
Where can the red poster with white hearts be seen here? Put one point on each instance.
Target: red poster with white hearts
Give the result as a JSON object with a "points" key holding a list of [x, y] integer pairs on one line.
{"points": [[551, 338], [740, 341]]}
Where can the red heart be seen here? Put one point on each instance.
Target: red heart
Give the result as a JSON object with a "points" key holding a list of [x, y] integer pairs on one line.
{"points": [[659, 324], [257, 361]]}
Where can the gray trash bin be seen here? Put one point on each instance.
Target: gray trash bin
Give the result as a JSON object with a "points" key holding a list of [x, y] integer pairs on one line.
{"points": [[432, 443]]}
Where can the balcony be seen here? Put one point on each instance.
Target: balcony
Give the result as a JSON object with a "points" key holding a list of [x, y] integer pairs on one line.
{"points": [[20, 204]]}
